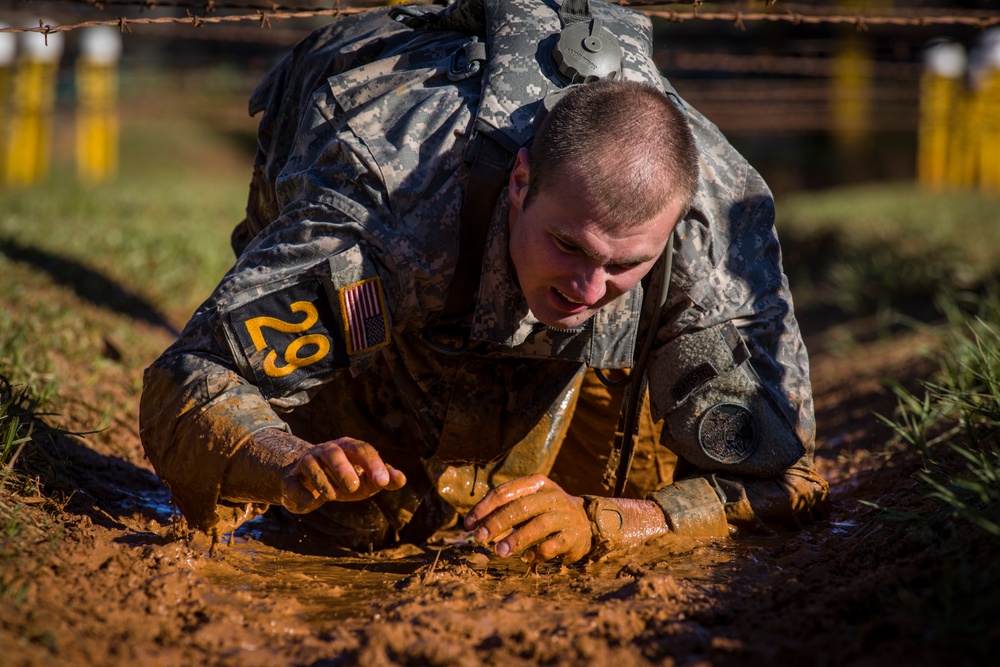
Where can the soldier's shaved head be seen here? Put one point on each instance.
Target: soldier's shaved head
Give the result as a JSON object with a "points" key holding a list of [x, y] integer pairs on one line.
{"points": [[628, 146]]}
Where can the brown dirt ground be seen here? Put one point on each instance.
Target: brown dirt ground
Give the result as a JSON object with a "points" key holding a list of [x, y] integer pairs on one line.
{"points": [[100, 575]]}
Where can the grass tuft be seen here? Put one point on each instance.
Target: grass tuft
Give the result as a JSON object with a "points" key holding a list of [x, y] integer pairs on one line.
{"points": [[958, 411], [17, 418]]}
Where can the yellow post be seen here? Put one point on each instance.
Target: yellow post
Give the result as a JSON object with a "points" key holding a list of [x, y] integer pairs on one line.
{"points": [[8, 49], [989, 177], [852, 82], [852, 91], [30, 139], [938, 138], [962, 155], [985, 75], [97, 95]]}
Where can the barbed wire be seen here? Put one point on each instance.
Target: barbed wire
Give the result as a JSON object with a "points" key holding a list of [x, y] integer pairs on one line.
{"points": [[264, 13], [211, 6], [860, 21], [125, 24]]}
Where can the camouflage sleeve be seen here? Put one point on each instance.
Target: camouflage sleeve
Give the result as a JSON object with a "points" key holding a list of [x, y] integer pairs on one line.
{"points": [[263, 343], [196, 411], [730, 373], [311, 297]]}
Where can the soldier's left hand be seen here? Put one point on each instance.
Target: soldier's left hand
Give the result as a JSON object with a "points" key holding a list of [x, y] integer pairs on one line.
{"points": [[547, 522]]}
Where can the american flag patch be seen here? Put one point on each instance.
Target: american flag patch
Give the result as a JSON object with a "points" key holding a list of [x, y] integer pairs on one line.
{"points": [[366, 325]]}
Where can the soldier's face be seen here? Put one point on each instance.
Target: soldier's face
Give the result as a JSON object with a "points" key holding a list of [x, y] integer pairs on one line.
{"points": [[569, 265]]}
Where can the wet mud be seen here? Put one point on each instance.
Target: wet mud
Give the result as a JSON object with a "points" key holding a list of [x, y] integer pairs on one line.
{"points": [[110, 577]]}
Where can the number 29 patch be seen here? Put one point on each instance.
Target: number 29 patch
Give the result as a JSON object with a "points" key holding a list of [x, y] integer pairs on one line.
{"points": [[286, 337]]}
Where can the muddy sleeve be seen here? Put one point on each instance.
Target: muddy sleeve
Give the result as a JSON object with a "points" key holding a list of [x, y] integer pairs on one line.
{"points": [[264, 343], [195, 413], [311, 298], [729, 374]]}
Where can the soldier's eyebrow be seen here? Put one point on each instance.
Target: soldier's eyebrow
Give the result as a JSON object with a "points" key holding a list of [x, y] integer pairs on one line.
{"points": [[567, 239]]}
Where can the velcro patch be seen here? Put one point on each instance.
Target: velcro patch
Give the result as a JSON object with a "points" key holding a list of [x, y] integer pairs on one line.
{"points": [[728, 433], [366, 323], [286, 337], [693, 381]]}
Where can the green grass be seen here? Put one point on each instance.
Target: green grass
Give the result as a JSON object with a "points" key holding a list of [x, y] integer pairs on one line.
{"points": [[160, 231], [954, 423], [16, 421], [20, 465], [945, 531], [876, 248]]}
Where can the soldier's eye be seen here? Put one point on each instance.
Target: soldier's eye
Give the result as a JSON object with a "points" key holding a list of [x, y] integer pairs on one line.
{"points": [[565, 247], [625, 266]]}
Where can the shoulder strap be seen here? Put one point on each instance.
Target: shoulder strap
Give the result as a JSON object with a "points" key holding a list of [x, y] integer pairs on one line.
{"points": [[487, 177]]}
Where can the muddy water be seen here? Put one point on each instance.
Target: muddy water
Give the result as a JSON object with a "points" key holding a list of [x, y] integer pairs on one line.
{"points": [[328, 588], [356, 586]]}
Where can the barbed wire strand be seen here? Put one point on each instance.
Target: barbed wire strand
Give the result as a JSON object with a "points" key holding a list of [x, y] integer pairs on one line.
{"points": [[125, 24], [737, 18], [859, 21]]}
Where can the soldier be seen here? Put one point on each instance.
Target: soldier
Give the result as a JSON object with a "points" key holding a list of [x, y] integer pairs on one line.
{"points": [[331, 373]]}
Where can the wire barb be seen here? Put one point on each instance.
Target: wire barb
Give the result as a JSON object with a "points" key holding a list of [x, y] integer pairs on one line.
{"points": [[655, 8]]}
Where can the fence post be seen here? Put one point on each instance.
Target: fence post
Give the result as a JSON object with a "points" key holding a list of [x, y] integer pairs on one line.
{"points": [[97, 95], [30, 142], [852, 86], [8, 50], [985, 79], [938, 148]]}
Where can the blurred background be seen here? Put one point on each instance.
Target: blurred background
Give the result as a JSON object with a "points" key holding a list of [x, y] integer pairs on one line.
{"points": [[814, 94]]}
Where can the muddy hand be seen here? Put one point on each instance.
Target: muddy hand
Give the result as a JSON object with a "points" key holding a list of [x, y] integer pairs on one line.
{"points": [[547, 522], [343, 469]]}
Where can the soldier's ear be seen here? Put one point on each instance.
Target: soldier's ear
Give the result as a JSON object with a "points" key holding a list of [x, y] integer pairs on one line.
{"points": [[518, 186]]}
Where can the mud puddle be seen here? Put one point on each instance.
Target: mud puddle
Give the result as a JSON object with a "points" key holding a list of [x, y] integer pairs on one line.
{"points": [[358, 586]]}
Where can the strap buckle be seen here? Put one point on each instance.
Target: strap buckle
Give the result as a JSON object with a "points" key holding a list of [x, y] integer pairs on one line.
{"points": [[475, 55], [448, 339], [412, 17]]}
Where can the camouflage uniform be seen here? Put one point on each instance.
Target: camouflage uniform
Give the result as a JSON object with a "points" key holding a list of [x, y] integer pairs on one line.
{"points": [[318, 328]]}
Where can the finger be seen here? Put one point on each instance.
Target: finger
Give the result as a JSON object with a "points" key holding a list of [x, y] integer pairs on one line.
{"points": [[397, 479], [338, 468], [564, 545], [504, 495], [313, 477], [367, 458], [515, 513], [296, 498], [528, 535]]}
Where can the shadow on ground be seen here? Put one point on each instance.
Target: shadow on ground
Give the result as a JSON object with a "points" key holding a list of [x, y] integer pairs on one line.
{"points": [[89, 284]]}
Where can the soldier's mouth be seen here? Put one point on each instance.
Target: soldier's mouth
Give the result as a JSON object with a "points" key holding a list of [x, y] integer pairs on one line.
{"points": [[567, 303]]}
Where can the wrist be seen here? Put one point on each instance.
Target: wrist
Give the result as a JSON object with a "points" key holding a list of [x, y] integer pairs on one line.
{"points": [[619, 523], [692, 507], [256, 469]]}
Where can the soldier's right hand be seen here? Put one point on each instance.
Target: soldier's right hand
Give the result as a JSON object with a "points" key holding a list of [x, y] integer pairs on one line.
{"points": [[343, 469]]}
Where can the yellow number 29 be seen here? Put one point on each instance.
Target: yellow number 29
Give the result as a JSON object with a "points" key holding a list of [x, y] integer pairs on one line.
{"points": [[256, 325]]}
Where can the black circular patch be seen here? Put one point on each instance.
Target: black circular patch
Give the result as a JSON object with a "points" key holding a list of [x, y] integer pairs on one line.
{"points": [[728, 433]]}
